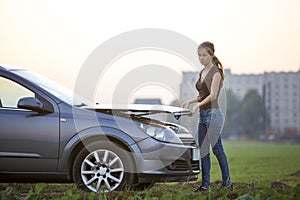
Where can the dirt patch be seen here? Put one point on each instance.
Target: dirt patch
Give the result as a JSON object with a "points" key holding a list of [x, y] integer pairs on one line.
{"points": [[217, 184], [297, 173], [193, 185], [281, 186]]}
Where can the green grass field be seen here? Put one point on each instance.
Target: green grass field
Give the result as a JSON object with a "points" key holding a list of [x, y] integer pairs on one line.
{"points": [[258, 171], [260, 162]]}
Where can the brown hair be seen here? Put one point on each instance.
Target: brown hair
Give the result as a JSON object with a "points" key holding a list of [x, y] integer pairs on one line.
{"points": [[210, 48]]}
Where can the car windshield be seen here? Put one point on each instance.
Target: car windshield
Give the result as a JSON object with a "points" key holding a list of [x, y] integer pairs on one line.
{"points": [[52, 87]]}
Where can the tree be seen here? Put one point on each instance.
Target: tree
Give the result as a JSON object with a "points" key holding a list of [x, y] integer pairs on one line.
{"points": [[251, 114], [231, 125]]}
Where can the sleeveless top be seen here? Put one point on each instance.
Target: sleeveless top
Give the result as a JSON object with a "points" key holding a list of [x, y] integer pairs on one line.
{"points": [[204, 88]]}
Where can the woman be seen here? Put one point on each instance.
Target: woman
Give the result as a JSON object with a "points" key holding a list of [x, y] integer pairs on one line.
{"points": [[211, 118]]}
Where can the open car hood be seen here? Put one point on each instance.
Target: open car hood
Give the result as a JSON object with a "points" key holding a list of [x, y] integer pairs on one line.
{"points": [[140, 109]]}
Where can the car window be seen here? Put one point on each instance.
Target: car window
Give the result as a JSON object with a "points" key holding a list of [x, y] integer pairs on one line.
{"points": [[11, 92]]}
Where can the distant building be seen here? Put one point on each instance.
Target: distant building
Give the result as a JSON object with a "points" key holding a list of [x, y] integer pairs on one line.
{"points": [[241, 84], [282, 100], [280, 91]]}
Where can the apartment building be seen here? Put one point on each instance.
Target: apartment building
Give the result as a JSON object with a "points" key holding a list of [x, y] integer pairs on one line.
{"points": [[241, 84], [282, 101]]}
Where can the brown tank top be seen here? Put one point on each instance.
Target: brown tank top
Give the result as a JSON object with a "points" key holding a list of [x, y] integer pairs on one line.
{"points": [[204, 88]]}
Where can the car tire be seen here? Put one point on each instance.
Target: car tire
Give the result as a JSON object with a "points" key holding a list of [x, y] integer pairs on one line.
{"points": [[103, 166]]}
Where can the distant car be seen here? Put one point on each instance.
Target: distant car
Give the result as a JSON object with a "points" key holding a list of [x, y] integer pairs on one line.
{"points": [[46, 136]]}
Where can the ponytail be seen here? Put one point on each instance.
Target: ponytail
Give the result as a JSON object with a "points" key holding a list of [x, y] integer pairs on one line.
{"points": [[217, 62]]}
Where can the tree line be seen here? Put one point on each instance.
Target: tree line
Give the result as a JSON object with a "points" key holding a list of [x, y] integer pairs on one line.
{"points": [[245, 118]]}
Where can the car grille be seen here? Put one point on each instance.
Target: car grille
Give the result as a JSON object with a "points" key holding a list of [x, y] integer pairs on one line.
{"points": [[181, 165], [195, 165], [187, 141]]}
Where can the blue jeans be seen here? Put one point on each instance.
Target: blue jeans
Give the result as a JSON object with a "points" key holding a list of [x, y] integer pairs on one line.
{"points": [[209, 134]]}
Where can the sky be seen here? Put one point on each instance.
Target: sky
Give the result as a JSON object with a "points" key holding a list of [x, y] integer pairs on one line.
{"points": [[55, 37]]}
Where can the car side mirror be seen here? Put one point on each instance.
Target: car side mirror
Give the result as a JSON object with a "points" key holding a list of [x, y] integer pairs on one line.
{"points": [[31, 103]]}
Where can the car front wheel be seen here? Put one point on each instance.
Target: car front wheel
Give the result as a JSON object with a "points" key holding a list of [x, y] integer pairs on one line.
{"points": [[103, 166]]}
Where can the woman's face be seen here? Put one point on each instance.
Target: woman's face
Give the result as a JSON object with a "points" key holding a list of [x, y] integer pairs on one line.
{"points": [[204, 57]]}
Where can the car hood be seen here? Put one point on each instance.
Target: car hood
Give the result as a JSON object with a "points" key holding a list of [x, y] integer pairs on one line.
{"points": [[139, 109]]}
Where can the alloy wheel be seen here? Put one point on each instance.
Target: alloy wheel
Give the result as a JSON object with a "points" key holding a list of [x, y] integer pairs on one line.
{"points": [[102, 170]]}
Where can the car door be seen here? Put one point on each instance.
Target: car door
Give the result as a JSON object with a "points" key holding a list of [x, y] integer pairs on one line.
{"points": [[29, 140]]}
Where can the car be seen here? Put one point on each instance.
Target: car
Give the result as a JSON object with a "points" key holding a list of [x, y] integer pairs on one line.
{"points": [[47, 136]]}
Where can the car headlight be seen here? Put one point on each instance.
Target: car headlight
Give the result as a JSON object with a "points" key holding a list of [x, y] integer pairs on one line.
{"points": [[178, 128], [164, 134]]}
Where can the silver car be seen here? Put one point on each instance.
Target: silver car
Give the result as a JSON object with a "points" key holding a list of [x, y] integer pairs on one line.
{"points": [[45, 135]]}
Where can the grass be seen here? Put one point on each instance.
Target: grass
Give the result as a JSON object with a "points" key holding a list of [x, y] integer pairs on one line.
{"points": [[258, 171], [259, 162]]}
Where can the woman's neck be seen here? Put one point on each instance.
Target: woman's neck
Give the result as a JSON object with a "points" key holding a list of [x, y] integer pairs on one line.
{"points": [[209, 66]]}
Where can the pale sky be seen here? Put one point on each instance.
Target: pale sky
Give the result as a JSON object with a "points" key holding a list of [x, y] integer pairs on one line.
{"points": [[55, 37]]}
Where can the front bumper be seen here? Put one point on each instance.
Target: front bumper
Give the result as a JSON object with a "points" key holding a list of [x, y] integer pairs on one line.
{"points": [[165, 162]]}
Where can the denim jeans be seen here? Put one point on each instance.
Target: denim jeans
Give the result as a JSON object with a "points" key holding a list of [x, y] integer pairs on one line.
{"points": [[209, 134]]}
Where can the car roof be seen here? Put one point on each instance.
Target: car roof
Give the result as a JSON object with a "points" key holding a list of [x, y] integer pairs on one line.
{"points": [[9, 67]]}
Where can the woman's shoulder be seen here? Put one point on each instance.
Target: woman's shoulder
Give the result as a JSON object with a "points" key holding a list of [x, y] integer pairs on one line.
{"points": [[215, 69]]}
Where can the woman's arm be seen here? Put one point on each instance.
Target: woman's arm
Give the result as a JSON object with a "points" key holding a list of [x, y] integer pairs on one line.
{"points": [[191, 101]]}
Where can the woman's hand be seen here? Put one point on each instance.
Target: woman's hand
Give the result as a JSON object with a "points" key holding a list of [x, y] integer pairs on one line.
{"points": [[186, 105]]}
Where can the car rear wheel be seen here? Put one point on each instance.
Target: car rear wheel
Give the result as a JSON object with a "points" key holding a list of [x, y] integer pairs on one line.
{"points": [[103, 166]]}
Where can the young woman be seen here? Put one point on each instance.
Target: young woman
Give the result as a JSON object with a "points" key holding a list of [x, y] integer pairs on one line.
{"points": [[211, 118]]}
